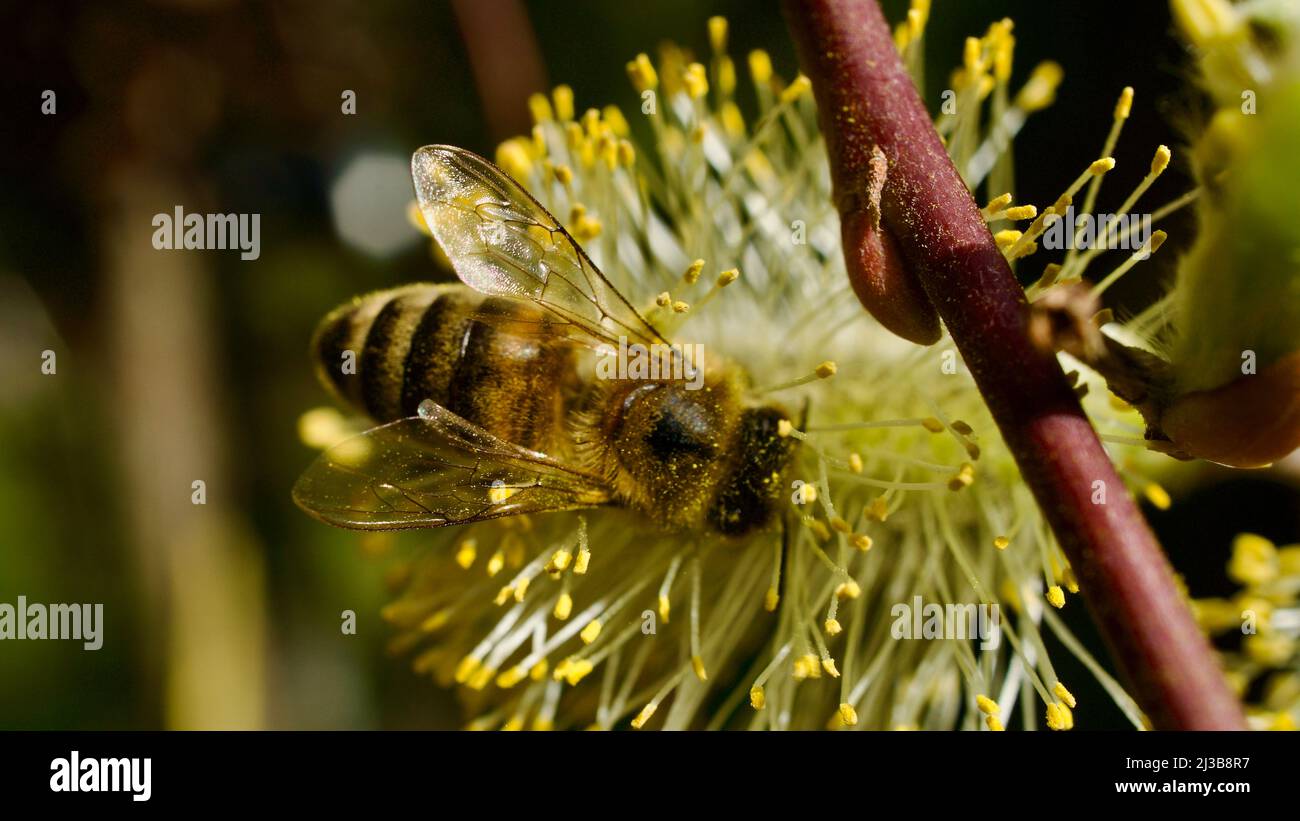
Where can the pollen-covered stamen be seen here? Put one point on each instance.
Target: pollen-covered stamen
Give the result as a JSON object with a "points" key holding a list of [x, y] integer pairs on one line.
{"points": [[1141, 255], [825, 370]]}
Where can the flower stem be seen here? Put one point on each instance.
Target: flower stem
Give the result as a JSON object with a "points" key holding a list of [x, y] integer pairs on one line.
{"points": [[866, 100]]}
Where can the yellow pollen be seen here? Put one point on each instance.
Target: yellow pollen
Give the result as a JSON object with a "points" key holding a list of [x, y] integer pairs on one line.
{"points": [[718, 34], [466, 669], [511, 677], [848, 590], [466, 554], [808, 493], [826, 369], [1064, 695], [1102, 166], [1021, 212], [584, 559], [563, 607], [963, 478], [692, 274], [482, 678], [828, 664], [1005, 239], [503, 595], [680, 307], [796, 89], [993, 724], [771, 599], [626, 153], [861, 541], [696, 81], [1059, 717], [840, 525], [757, 698], [540, 107], [1001, 542], [591, 631], [760, 67], [513, 156], [559, 562], [833, 627], [644, 716], [1040, 91], [848, 715], [496, 563], [1157, 496], [998, 204], [878, 510], [784, 427], [664, 609], [1161, 160], [855, 463], [564, 174], [664, 299], [697, 664], [539, 671], [931, 424], [1056, 596], [987, 706], [728, 276], [1125, 103], [642, 73], [577, 671], [563, 97], [521, 589]]}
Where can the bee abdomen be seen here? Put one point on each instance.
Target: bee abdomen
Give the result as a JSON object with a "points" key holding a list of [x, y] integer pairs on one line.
{"points": [[751, 490]]}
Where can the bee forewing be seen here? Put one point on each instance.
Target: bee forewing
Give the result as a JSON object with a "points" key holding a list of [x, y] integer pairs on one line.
{"points": [[433, 470], [502, 242]]}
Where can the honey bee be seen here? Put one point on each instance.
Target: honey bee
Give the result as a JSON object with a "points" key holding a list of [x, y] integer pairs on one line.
{"points": [[484, 409]]}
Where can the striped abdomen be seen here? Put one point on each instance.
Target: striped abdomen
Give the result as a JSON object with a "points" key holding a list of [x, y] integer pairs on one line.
{"points": [[486, 359]]}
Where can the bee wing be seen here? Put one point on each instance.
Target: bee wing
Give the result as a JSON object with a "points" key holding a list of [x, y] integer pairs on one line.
{"points": [[433, 470], [502, 242]]}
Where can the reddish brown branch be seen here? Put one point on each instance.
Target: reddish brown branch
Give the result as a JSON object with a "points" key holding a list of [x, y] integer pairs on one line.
{"points": [[867, 99]]}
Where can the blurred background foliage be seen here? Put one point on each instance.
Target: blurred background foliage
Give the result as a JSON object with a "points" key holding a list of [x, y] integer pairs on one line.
{"points": [[177, 366]]}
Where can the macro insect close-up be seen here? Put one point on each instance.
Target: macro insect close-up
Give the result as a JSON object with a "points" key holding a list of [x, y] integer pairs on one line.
{"points": [[821, 365]]}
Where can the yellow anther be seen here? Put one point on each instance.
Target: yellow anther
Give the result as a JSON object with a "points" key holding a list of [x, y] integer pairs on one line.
{"points": [[796, 89], [1071, 582], [848, 715], [878, 510], [963, 478], [808, 493], [564, 174], [840, 525], [993, 724], [664, 299], [503, 595], [436, 620], [591, 631], [1056, 596], [1157, 239], [680, 307], [482, 677], [495, 563], [588, 228], [1254, 560], [1125, 103], [665, 608], [987, 706], [757, 698], [855, 463], [819, 529], [467, 553], [733, 122], [1005, 239], [613, 117], [466, 668], [696, 81], [521, 589], [998, 204], [559, 562], [1001, 542], [1102, 166], [828, 664], [626, 154], [515, 158], [1004, 48], [1161, 160], [931, 424], [1157, 496], [826, 369], [1059, 716], [760, 67], [538, 671], [771, 599], [971, 56], [1064, 695], [1021, 212], [515, 724], [833, 627], [583, 561], [697, 665], [692, 274], [511, 677], [563, 97], [644, 716], [577, 671], [563, 607], [1040, 91], [718, 34], [591, 123], [861, 541], [848, 590], [784, 427], [642, 73], [728, 276], [540, 107]]}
